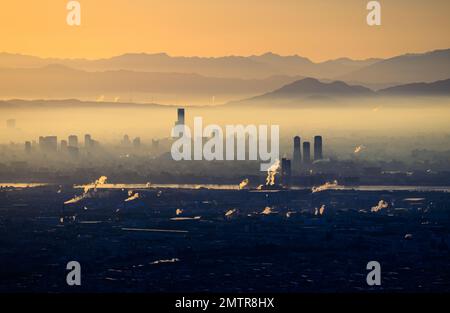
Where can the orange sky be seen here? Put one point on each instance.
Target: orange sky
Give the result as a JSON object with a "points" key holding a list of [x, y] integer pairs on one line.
{"points": [[318, 29]]}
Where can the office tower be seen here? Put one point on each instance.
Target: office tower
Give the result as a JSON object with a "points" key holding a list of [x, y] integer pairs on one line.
{"points": [[27, 147], [63, 145], [286, 171], [52, 142], [87, 141], [180, 120], [11, 123], [48, 143], [126, 140], [306, 152], [73, 141], [318, 148], [297, 156], [137, 142]]}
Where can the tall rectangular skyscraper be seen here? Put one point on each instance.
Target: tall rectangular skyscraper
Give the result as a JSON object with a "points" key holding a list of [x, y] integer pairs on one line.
{"points": [[306, 152], [297, 155], [180, 120], [87, 141], [73, 141], [318, 148], [286, 171]]}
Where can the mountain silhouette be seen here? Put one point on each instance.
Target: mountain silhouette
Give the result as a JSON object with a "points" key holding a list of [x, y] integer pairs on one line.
{"points": [[438, 88], [311, 88], [408, 68]]}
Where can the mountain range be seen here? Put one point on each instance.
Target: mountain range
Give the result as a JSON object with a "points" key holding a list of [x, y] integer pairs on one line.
{"points": [[311, 89], [163, 78]]}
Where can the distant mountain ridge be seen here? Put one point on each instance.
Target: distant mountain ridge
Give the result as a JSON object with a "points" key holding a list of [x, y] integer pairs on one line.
{"points": [[409, 68], [438, 88], [314, 89], [59, 81], [146, 77], [251, 67]]}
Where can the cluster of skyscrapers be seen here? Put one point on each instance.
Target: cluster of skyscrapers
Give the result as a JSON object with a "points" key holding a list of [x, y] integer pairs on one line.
{"points": [[301, 157], [304, 155], [71, 145]]}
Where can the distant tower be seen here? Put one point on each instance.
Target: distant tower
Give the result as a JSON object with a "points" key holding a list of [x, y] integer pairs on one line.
{"points": [[87, 141], [137, 142], [318, 148], [180, 120], [48, 143], [52, 142], [73, 141], [63, 145], [306, 152], [126, 140], [286, 171], [27, 147], [297, 156]]}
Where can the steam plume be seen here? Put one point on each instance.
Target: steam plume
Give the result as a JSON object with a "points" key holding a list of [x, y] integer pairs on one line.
{"points": [[320, 211], [271, 172], [87, 188], [243, 184], [132, 196], [381, 205], [358, 149], [230, 213], [325, 186]]}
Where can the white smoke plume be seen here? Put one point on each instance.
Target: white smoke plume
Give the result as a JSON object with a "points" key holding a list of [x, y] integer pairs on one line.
{"points": [[230, 213], [325, 186], [381, 205], [101, 181], [272, 171], [358, 149], [320, 211], [132, 196], [244, 184], [165, 261], [267, 211]]}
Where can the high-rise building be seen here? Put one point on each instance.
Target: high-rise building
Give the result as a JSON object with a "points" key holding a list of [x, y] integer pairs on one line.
{"points": [[63, 145], [27, 147], [297, 155], [137, 142], [87, 141], [48, 143], [180, 120], [306, 152], [73, 141], [126, 140], [286, 171], [318, 148]]}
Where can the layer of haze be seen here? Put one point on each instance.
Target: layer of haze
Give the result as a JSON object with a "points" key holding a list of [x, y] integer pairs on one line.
{"points": [[319, 30], [390, 118]]}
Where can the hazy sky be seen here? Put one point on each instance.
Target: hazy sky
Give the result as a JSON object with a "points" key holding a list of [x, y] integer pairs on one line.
{"points": [[318, 29]]}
